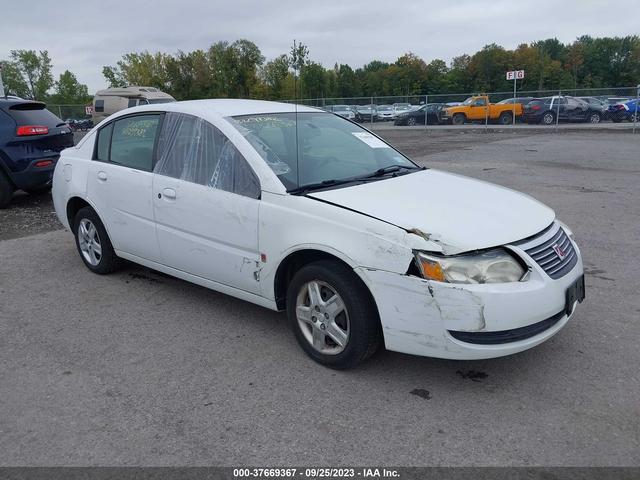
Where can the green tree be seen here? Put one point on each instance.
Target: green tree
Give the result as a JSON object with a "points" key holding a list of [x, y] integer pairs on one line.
{"points": [[113, 76], [34, 68], [68, 91]]}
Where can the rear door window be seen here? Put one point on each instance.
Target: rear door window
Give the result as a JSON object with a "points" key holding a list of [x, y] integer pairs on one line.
{"points": [[133, 140]]}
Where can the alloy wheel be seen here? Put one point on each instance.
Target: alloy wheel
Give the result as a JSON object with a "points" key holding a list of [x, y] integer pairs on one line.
{"points": [[89, 242], [323, 318]]}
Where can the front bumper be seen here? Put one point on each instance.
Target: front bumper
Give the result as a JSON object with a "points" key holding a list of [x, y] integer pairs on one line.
{"points": [[422, 317]]}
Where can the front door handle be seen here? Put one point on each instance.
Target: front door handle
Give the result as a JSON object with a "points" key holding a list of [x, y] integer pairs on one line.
{"points": [[102, 176], [169, 193]]}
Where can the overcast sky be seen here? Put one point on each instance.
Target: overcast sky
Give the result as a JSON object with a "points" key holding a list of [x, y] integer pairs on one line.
{"points": [[85, 35]]}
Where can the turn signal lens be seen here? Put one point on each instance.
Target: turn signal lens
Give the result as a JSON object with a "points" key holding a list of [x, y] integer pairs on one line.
{"points": [[431, 270]]}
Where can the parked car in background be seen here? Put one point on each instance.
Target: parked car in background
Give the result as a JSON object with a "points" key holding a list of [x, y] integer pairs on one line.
{"points": [[31, 139], [366, 113], [111, 100], [627, 110], [511, 101], [386, 113], [400, 108], [359, 245], [479, 108], [417, 117], [597, 104], [79, 124], [566, 109], [342, 110]]}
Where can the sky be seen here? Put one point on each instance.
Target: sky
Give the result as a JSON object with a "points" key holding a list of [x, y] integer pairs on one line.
{"points": [[84, 36]]}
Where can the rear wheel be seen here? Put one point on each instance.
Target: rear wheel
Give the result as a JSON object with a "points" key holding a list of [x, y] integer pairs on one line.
{"points": [[93, 243], [549, 118], [458, 119], [332, 314], [6, 190], [635, 117], [506, 118]]}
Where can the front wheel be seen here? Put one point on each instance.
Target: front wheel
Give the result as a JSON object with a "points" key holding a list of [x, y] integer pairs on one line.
{"points": [[595, 117], [411, 121], [332, 315], [93, 243]]}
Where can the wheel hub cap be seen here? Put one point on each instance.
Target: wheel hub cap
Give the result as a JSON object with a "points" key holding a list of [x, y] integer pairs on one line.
{"points": [[89, 242]]}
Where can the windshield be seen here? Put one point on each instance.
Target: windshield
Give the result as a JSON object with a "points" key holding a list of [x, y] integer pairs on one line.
{"points": [[330, 148], [468, 101]]}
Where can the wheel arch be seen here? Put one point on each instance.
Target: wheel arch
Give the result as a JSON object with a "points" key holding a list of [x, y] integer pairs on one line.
{"points": [[297, 259]]}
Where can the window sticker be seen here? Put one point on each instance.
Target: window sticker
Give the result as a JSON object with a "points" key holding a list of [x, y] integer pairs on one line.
{"points": [[371, 140]]}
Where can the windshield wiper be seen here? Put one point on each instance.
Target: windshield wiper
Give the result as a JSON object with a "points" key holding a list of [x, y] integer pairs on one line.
{"points": [[390, 169], [333, 182], [317, 186]]}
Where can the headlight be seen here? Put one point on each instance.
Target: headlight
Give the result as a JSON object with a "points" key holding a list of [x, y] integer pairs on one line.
{"points": [[492, 266]]}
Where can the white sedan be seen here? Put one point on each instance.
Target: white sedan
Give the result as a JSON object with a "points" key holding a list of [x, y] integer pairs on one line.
{"points": [[298, 209]]}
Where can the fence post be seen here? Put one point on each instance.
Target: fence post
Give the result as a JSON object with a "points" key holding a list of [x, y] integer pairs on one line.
{"points": [[514, 102], [636, 113], [371, 111], [59, 111], [558, 110], [426, 110]]}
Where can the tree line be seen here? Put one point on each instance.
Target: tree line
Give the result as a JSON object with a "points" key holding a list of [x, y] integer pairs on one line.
{"points": [[238, 69]]}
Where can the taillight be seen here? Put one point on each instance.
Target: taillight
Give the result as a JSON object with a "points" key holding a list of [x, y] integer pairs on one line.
{"points": [[43, 163], [535, 107], [26, 130]]}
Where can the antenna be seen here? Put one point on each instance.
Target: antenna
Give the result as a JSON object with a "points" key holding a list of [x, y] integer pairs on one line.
{"points": [[295, 107]]}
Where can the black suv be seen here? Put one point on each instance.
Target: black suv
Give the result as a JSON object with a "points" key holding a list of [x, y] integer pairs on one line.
{"points": [[31, 139]]}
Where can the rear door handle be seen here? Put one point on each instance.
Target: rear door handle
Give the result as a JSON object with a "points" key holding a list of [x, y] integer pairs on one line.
{"points": [[169, 193], [102, 176]]}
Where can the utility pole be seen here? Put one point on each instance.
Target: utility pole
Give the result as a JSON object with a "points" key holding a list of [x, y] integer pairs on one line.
{"points": [[2, 92]]}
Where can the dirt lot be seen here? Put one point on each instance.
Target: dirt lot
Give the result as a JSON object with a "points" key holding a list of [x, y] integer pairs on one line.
{"points": [[136, 368]]}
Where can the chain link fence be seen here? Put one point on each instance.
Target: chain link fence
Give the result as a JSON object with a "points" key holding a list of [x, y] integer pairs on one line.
{"points": [[593, 106], [619, 106]]}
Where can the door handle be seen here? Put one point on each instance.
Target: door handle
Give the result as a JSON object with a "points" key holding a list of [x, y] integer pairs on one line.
{"points": [[102, 176], [169, 193]]}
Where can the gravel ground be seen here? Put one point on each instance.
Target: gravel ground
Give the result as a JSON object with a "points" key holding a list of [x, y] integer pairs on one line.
{"points": [[138, 368]]}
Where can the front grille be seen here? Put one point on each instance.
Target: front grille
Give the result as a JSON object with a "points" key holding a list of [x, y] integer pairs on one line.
{"points": [[546, 254]]}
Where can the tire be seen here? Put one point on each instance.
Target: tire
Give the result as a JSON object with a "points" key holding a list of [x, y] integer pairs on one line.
{"points": [[6, 190], [548, 118], [355, 327], [39, 189], [634, 117], [506, 118], [93, 235], [594, 117], [458, 119], [411, 121]]}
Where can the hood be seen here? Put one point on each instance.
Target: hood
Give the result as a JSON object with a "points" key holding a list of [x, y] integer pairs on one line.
{"points": [[459, 213]]}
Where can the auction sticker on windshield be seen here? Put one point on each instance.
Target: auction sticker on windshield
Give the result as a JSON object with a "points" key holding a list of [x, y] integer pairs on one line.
{"points": [[371, 140]]}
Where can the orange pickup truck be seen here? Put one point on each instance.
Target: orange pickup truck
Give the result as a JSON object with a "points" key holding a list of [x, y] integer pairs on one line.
{"points": [[478, 108]]}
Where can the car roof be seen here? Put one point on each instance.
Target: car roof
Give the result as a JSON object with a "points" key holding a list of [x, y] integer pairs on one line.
{"points": [[225, 107]]}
